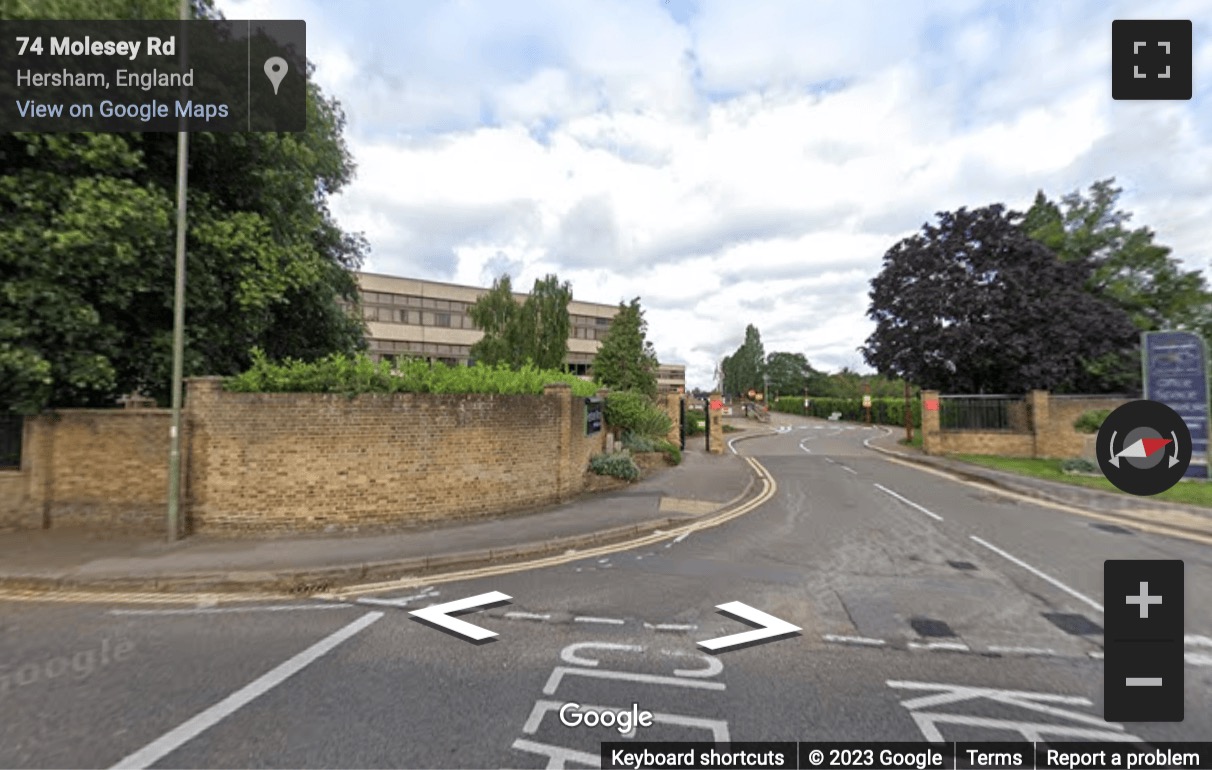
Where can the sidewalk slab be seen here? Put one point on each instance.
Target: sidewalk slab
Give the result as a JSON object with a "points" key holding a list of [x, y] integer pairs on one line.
{"points": [[64, 558]]}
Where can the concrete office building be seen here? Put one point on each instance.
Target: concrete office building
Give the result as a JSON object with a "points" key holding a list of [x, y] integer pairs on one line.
{"points": [[428, 319]]}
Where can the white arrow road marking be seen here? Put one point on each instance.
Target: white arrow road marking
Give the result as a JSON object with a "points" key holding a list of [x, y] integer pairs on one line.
{"points": [[439, 615], [771, 627]]}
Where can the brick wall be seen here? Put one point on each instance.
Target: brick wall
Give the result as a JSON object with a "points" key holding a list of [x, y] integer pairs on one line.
{"points": [[301, 462], [266, 462], [96, 468], [1048, 432]]}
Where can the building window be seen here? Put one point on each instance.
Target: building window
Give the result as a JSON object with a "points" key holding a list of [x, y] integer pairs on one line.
{"points": [[441, 319], [602, 321]]}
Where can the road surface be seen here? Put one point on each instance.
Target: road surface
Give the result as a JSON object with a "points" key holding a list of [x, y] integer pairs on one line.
{"points": [[930, 609]]}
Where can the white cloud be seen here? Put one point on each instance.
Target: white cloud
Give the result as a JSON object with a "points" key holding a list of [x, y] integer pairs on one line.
{"points": [[749, 165]]}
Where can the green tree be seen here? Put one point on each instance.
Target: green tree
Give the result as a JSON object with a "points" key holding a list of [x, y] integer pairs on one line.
{"points": [[547, 323], [87, 232], [1129, 268], [498, 314], [788, 373], [534, 332], [627, 360]]}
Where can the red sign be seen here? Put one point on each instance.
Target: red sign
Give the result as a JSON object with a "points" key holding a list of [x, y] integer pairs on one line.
{"points": [[717, 405], [932, 405]]}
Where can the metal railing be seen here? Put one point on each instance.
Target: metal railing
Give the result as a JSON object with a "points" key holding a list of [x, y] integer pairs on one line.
{"points": [[11, 429], [981, 413]]}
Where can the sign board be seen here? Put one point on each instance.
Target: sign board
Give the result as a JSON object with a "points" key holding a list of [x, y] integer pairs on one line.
{"points": [[807, 403], [866, 402], [932, 405], [593, 416], [1176, 374], [717, 405]]}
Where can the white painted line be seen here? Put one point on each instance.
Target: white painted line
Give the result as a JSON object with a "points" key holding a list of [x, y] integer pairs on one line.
{"points": [[1022, 650], [223, 610], [681, 537], [954, 646], [1096, 655], [853, 640], [1037, 573], [607, 621], [603, 561], [1195, 659], [558, 756], [806, 449], [192, 728], [558, 674], [671, 627], [1143, 681], [909, 502], [848, 469], [1195, 640], [526, 616], [403, 601], [830, 460]]}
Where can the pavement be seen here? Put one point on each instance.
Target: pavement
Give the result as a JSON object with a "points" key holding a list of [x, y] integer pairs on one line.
{"points": [[701, 487], [67, 559]]}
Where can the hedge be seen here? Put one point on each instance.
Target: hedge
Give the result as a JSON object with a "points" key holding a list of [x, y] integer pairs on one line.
{"points": [[884, 411]]}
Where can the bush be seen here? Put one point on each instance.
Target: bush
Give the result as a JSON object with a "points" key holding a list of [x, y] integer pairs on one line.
{"points": [[672, 451], [632, 411], [884, 411], [694, 424], [1091, 421], [352, 375], [638, 443], [1079, 465], [620, 465]]}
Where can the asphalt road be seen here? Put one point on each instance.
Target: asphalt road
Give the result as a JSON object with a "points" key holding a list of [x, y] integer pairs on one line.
{"points": [[929, 608]]}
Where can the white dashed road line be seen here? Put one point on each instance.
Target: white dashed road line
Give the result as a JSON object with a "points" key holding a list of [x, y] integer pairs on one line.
{"points": [[864, 640], [949, 646], [1022, 650], [848, 469], [909, 502], [192, 728], [1043, 576], [605, 621], [526, 616]]}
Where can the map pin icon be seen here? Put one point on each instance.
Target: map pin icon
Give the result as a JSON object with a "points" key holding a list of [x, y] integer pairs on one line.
{"points": [[275, 70]]}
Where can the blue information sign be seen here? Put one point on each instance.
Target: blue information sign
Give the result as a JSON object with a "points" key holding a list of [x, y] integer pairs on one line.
{"points": [[1176, 374]]}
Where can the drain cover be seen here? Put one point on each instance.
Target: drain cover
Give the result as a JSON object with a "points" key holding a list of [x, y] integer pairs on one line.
{"points": [[1114, 529], [930, 627], [1072, 623], [962, 564]]}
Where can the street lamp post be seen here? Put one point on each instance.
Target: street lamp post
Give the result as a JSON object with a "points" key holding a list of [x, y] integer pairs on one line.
{"points": [[174, 454]]}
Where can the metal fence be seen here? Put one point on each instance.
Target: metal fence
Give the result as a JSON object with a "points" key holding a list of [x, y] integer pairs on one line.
{"points": [[988, 414], [11, 428]]}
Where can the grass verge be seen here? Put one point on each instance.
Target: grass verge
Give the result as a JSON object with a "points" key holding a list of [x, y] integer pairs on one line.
{"points": [[1188, 492]]}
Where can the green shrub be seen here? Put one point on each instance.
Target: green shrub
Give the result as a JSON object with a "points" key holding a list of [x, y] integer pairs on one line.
{"points": [[639, 443], [1079, 465], [620, 465], [356, 374], [672, 451], [884, 411], [632, 411], [694, 424], [1090, 421]]}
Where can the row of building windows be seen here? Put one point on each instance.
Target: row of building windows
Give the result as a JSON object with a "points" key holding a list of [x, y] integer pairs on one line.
{"points": [[396, 315], [391, 308]]}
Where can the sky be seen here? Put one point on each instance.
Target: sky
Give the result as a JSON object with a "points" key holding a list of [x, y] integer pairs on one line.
{"points": [[734, 163]]}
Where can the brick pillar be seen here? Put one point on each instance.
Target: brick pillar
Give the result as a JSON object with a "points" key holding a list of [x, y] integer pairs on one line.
{"points": [[714, 425], [931, 443], [561, 392], [1041, 422], [673, 402]]}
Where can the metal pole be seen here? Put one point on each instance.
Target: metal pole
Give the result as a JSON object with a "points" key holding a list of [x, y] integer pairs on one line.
{"points": [[908, 416], [174, 456]]}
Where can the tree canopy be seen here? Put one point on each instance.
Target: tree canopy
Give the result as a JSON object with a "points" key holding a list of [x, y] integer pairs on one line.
{"points": [[627, 360], [87, 234], [745, 369], [975, 305], [533, 333], [1129, 268]]}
